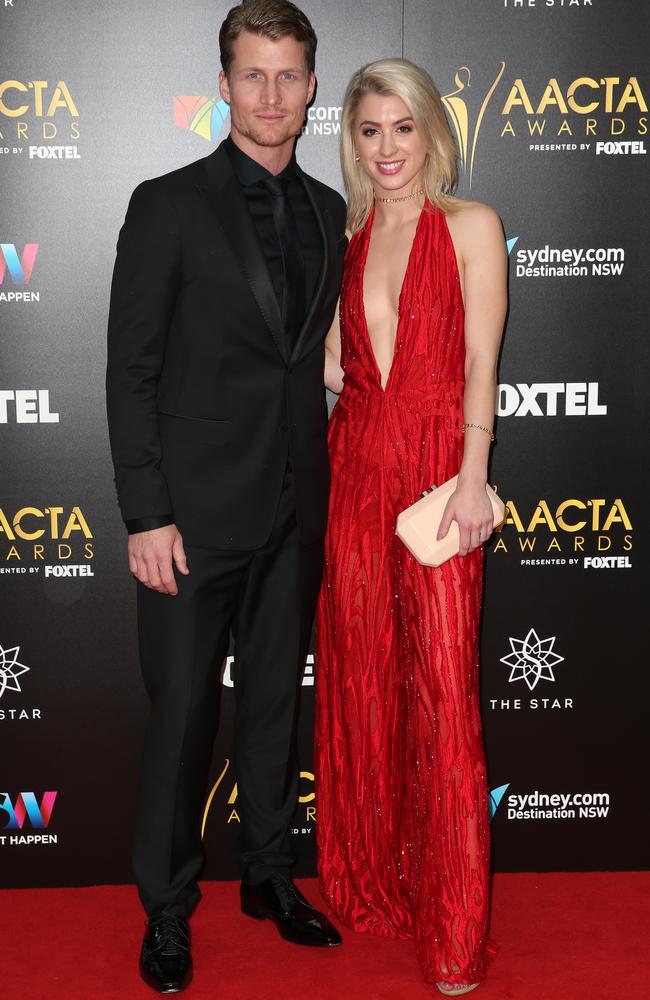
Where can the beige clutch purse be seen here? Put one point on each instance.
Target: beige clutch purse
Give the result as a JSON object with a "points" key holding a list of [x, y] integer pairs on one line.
{"points": [[417, 526]]}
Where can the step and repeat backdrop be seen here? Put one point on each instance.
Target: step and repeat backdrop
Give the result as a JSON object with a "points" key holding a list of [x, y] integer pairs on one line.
{"points": [[548, 103]]}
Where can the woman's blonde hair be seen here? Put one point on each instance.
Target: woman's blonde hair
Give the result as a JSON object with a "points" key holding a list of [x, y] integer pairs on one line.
{"points": [[403, 79]]}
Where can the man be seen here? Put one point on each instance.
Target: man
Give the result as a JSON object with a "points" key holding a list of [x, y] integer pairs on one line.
{"points": [[225, 284]]}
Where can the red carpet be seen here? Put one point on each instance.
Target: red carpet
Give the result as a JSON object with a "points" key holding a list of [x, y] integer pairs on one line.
{"points": [[560, 937]]}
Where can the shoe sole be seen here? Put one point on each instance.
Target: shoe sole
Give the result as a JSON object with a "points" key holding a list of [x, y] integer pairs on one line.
{"points": [[159, 988], [259, 915]]}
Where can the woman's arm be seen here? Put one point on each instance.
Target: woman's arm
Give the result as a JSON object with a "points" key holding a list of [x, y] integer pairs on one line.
{"points": [[481, 247], [333, 370]]}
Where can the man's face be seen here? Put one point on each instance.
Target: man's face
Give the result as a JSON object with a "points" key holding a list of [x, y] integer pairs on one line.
{"points": [[268, 88]]}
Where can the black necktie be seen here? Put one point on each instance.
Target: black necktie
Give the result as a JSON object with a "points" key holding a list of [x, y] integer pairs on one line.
{"points": [[293, 298]]}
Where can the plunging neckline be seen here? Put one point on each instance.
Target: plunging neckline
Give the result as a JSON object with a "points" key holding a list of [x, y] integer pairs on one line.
{"points": [[368, 236]]}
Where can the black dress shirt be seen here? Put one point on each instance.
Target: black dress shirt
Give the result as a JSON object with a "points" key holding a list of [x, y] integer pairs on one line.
{"points": [[251, 176]]}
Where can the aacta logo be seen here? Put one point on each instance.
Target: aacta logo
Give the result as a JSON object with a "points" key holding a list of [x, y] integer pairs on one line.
{"points": [[586, 106], [35, 98], [54, 532], [231, 801], [19, 268], [579, 523], [204, 115], [21, 103], [584, 96], [30, 523], [24, 808]]}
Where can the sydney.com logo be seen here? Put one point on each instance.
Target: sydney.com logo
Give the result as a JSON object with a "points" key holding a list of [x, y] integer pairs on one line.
{"points": [[543, 805]]}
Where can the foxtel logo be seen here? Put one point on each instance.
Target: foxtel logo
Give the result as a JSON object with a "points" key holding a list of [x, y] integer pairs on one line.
{"points": [[550, 399], [625, 148], [228, 680], [26, 406]]}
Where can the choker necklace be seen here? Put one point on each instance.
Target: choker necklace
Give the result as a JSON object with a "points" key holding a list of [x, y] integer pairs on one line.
{"points": [[406, 197]]}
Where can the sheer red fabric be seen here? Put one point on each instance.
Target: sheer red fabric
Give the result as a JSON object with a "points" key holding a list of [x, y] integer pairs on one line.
{"points": [[403, 837]]}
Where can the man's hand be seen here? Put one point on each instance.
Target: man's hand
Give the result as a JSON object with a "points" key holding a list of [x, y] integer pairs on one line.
{"points": [[150, 558]]}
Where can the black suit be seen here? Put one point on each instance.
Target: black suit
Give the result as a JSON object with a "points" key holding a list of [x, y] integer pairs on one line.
{"points": [[217, 422]]}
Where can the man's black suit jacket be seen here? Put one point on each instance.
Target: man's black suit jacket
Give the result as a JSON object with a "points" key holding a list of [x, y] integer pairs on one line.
{"points": [[204, 404]]}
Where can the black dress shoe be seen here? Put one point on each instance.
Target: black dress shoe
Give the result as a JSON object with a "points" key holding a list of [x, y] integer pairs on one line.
{"points": [[278, 899], [165, 959]]}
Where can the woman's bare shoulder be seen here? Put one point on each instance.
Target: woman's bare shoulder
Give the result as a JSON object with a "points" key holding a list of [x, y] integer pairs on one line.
{"points": [[471, 213], [472, 221]]}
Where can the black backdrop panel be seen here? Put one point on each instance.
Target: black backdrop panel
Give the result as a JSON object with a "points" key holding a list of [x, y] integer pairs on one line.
{"points": [[92, 101], [562, 684]]}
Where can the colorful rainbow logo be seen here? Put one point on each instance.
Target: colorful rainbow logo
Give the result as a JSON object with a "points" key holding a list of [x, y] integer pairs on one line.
{"points": [[27, 807], [20, 268], [203, 115]]}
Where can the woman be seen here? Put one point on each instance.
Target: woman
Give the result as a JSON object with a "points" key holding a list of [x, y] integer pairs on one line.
{"points": [[403, 804]]}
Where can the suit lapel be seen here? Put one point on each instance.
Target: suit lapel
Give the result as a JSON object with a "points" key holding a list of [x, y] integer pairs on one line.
{"points": [[328, 247], [224, 195]]}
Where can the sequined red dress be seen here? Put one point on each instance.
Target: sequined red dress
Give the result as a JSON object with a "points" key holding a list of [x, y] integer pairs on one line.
{"points": [[401, 790]]}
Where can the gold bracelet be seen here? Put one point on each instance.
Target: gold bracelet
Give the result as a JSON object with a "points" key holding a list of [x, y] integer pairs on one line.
{"points": [[479, 427]]}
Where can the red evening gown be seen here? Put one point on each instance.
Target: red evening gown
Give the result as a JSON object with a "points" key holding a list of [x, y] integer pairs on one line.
{"points": [[403, 839]]}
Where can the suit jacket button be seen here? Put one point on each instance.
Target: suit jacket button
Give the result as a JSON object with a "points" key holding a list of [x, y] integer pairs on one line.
{"points": [[283, 428]]}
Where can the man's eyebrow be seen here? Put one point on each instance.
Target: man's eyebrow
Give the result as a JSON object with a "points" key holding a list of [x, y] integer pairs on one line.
{"points": [[287, 69]]}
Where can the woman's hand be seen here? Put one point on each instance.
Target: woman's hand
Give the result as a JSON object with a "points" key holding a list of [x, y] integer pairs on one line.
{"points": [[470, 507]]}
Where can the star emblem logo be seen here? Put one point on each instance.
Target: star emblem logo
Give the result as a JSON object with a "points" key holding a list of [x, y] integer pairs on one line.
{"points": [[532, 659], [10, 670]]}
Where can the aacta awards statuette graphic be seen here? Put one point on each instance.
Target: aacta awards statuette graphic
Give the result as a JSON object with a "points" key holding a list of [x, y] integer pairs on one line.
{"points": [[460, 118]]}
